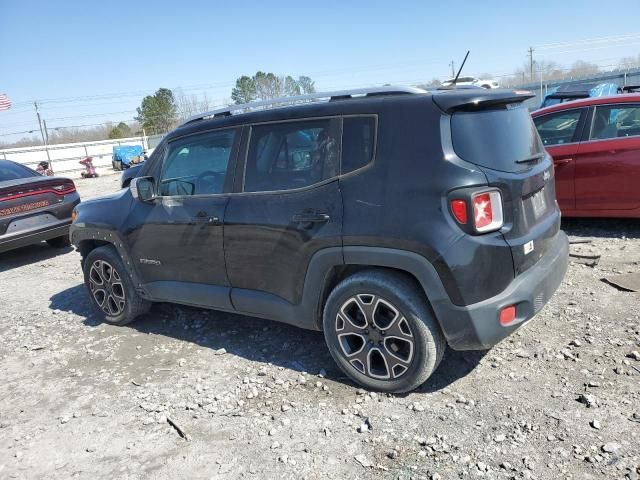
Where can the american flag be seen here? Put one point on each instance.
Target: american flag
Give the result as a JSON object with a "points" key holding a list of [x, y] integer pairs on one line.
{"points": [[5, 103]]}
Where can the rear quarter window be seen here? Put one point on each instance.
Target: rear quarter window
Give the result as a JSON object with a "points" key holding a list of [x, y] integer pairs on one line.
{"points": [[12, 171], [358, 142]]}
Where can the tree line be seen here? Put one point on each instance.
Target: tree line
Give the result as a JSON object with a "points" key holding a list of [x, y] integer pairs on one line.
{"points": [[162, 111]]}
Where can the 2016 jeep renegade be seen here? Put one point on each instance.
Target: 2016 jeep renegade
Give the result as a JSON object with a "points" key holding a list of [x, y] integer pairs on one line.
{"points": [[394, 220]]}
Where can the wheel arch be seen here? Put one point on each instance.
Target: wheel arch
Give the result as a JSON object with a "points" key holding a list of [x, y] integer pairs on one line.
{"points": [[323, 276], [86, 239]]}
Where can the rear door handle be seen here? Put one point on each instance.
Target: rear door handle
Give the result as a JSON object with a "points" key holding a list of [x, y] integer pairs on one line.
{"points": [[310, 217]]}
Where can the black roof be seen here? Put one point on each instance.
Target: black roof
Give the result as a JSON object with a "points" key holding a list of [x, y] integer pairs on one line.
{"points": [[446, 100]]}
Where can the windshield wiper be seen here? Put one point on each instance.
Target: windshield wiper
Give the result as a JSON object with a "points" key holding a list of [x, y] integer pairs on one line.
{"points": [[532, 158]]}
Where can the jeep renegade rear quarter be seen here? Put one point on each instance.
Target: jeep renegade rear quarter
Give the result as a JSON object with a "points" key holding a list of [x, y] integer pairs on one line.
{"points": [[396, 221]]}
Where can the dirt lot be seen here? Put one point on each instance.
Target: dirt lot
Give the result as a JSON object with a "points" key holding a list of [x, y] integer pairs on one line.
{"points": [[257, 399]]}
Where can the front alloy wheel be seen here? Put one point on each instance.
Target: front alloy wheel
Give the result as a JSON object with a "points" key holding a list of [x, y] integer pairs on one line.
{"points": [[106, 287]]}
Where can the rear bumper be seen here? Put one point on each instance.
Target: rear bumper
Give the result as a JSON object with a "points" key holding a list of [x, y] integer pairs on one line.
{"points": [[476, 326], [22, 239]]}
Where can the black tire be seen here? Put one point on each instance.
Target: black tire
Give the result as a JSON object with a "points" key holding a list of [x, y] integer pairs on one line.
{"points": [[391, 295], [59, 242], [118, 302]]}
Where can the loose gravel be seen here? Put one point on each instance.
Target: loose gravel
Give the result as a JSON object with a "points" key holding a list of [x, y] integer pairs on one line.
{"points": [[188, 393]]}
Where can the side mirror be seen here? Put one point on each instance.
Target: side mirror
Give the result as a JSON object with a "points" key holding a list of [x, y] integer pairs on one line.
{"points": [[143, 188]]}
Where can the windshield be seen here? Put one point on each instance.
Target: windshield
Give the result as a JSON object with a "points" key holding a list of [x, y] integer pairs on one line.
{"points": [[496, 139]]}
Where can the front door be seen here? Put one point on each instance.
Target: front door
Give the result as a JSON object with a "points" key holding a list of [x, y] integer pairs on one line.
{"points": [[608, 164], [177, 240], [289, 208], [560, 133]]}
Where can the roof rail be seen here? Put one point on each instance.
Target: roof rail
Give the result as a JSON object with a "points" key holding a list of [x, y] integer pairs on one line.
{"points": [[302, 99]]}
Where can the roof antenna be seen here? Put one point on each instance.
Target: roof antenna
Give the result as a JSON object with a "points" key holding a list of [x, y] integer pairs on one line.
{"points": [[455, 80]]}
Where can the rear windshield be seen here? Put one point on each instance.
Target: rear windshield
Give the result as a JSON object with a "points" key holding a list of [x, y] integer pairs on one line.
{"points": [[496, 139], [12, 171]]}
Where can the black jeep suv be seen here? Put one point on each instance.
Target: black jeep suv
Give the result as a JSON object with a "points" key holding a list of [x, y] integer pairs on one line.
{"points": [[394, 220]]}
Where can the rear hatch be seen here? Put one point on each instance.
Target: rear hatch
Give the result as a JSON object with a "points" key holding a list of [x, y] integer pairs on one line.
{"points": [[24, 199], [496, 133]]}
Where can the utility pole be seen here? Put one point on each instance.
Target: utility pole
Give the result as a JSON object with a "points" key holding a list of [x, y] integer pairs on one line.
{"points": [[46, 131], [35, 104], [453, 69], [531, 63], [45, 142]]}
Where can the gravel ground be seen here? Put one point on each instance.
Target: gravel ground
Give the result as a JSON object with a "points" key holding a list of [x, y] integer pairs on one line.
{"points": [[187, 393]]}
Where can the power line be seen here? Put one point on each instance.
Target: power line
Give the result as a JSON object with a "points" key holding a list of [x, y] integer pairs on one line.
{"points": [[588, 41]]}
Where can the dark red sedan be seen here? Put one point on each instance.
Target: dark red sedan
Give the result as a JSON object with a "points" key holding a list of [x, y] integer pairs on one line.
{"points": [[595, 145]]}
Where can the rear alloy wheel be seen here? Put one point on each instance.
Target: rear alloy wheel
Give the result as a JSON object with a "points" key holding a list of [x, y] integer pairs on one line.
{"points": [[374, 336], [110, 287], [381, 332]]}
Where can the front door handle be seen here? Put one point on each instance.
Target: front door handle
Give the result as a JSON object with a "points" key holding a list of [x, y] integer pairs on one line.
{"points": [[203, 217], [563, 161]]}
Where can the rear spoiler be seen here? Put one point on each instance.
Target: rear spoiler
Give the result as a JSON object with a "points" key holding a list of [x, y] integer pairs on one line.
{"points": [[568, 95], [470, 100], [631, 89]]}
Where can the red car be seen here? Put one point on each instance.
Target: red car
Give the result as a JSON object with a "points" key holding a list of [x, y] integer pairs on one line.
{"points": [[595, 145]]}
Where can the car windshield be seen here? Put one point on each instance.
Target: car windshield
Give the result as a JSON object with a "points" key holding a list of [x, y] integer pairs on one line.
{"points": [[13, 171]]}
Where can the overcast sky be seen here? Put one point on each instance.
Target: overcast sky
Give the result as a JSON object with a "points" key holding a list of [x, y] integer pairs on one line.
{"points": [[67, 49]]}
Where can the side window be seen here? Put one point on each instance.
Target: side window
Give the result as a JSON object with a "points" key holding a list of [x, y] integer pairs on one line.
{"points": [[197, 165], [290, 155], [615, 121], [154, 163], [558, 128], [358, 142]]}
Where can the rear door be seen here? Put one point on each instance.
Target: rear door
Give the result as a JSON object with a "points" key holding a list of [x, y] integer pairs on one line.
{"points": [[560, 133], [179, 237], [289, 207], [608, 164]]}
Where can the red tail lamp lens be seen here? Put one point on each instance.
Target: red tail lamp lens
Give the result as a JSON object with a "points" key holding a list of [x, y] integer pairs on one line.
{"points": [[459, 210]]}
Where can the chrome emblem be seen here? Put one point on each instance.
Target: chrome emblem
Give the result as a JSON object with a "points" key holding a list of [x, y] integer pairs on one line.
{"points": [[146, 261]]}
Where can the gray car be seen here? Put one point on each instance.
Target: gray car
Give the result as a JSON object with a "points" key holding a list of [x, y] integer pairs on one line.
{"points": [[34, 208]]}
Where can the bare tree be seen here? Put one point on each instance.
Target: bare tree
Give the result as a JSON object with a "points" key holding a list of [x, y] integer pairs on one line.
{"points": [[188, 106], [580, 68], [627, 63]]}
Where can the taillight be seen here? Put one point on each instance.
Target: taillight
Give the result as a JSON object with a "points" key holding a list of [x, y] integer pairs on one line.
{"points": [[477, 212], [66, 187], [59, 187], [459, 210], [487, 211]]}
